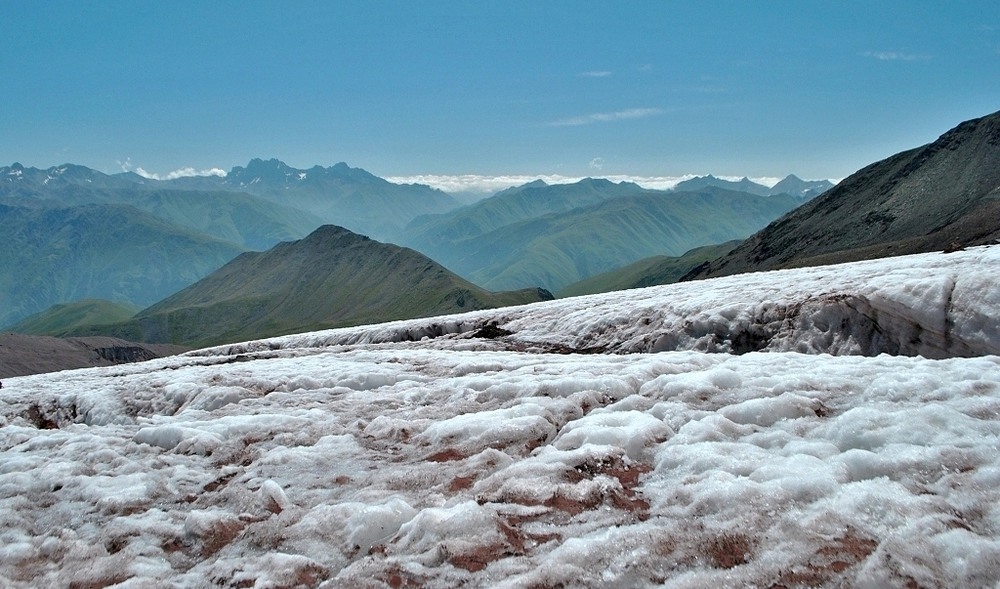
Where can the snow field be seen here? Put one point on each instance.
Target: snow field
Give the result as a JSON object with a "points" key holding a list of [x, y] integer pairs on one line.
{"points": [[420, 465], [410, 454]]}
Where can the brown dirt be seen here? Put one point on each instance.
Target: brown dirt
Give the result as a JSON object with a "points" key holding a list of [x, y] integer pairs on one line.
{"points": [[829, 561], [729, 550], [446, 455], [461, 483]]}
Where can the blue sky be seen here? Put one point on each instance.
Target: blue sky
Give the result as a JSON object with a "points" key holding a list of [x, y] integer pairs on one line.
{"points": [[819, 89]]}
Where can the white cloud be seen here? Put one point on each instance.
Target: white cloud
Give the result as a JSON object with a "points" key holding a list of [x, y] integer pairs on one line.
{"points": [[186, 172], [181, 173], [607, 117], [596, 74], [485, 184], [596, 163], [895, 56]]}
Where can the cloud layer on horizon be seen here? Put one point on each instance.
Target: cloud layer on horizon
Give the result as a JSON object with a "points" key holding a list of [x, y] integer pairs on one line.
{"points": [[486, 184]]}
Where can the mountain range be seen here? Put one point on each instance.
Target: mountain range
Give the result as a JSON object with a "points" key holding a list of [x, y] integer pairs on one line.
{"points": [[791, 185], [167, 234], [556, 235], [350, 197], [75, 233]]}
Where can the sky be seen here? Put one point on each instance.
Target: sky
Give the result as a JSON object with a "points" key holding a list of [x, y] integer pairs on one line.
{"points": [[492, 89]]}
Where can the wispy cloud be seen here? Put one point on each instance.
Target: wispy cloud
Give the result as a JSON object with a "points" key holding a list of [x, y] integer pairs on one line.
{"points": [[186, 172], [181, 173], [595, 74], [486, 184], [896, 56], [607, 117]]}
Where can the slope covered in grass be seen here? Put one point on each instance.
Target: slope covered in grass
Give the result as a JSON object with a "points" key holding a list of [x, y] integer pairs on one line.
{"points": [[557, 250], [648, 271], [65, 317], [333, 277]]}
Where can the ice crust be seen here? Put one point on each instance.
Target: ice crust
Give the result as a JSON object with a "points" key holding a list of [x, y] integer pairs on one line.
{"points": [[376, 458]]}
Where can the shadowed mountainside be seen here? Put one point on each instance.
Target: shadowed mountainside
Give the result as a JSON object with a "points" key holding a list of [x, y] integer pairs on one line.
{"points": [[940, 196]]}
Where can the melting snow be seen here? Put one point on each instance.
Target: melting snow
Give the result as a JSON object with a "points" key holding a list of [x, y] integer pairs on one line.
{"points": [[413, 454]]}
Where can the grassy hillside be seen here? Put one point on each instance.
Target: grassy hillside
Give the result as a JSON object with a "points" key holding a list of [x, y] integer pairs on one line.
{"points": [[332, 278], [648, 271], [22, 354], [557, 250], [442, 236], [65, 317]]}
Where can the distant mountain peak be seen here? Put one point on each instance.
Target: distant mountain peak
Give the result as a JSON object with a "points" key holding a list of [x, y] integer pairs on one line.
{"points": [[334, 232], [596, 181], [791, 184]]}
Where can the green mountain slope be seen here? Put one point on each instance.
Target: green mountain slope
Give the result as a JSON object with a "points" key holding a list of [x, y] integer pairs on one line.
{"points": [[944, 194], [557, 250], [648, 271], [113, 252], [63, 318], [331, 278], [442, 236]]}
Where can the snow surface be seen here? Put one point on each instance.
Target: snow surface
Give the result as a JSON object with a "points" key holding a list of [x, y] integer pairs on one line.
{"points": [[413, 454]]}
